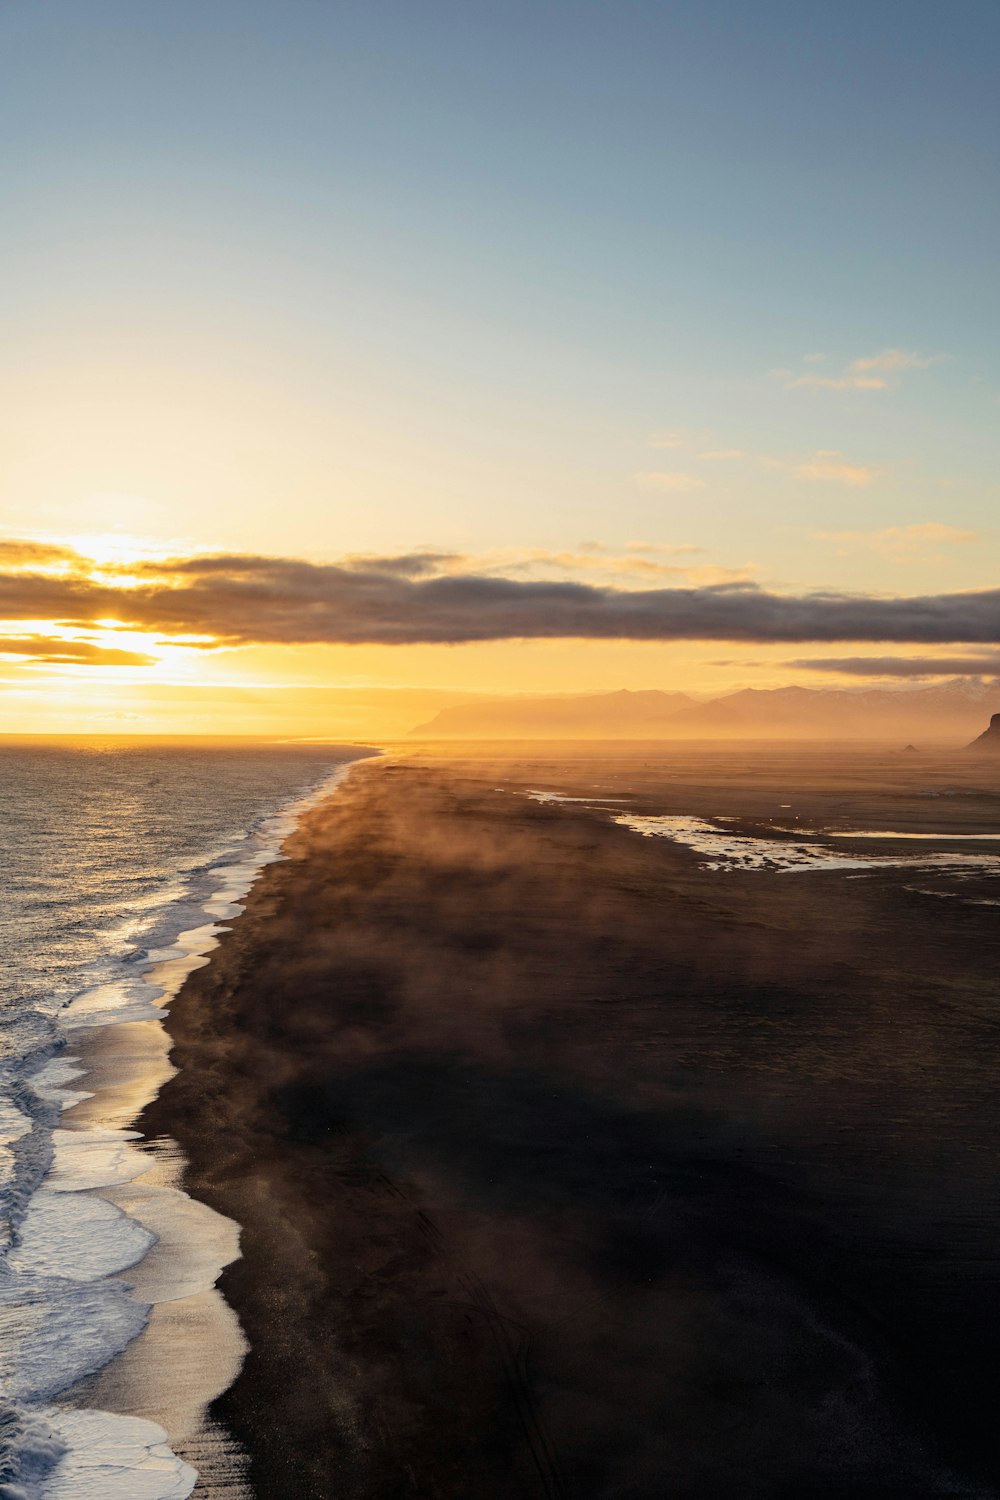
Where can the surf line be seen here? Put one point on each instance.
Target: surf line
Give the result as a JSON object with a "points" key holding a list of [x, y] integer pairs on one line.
{"points": [[103, 1376]]}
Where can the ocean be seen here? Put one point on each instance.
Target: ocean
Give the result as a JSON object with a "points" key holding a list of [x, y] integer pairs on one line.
{"points": [[120, 862]]}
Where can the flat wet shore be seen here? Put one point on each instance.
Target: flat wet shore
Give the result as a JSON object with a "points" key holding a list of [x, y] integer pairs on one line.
{"points": [[569, 1168]]}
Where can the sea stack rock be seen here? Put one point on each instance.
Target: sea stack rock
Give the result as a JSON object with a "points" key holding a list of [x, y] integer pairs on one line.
{"points": [[989, 739]]}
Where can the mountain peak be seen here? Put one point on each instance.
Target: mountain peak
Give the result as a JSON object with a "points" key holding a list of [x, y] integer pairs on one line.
{"points": [[990, 738]]}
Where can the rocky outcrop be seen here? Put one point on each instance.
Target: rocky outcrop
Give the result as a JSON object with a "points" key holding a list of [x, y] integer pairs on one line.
{"points": [[989, 740]]}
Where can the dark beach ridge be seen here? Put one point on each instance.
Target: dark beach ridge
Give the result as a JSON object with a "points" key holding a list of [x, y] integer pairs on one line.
{"points": [[569, 1166]]}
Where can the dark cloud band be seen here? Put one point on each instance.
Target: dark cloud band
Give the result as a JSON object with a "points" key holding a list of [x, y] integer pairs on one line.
{"points": [[71, 653], [903, 666], [241, 600]]}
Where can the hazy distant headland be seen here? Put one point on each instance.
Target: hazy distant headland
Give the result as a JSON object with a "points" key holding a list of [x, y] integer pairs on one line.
{"points": [[989, 740], [949, 711]]}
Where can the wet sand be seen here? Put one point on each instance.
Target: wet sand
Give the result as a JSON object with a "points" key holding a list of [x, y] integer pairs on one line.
{"points": [[569, 1168]]}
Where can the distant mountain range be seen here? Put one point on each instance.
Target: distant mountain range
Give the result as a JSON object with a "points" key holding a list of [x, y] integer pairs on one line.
{"points": [[949, 710]]}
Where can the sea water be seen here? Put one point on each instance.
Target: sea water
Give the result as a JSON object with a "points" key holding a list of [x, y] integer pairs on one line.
{"points": [[723, 847], [119, 864]]}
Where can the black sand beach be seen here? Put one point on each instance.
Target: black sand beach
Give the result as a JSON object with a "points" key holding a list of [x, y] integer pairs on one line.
{"points": [[569, 1168]]}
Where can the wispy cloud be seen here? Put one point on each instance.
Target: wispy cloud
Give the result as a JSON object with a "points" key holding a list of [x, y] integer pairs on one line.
{"points": [[828, 469], [672, 549], [871, 372], [638, 562], [826, 466], [849, 382], [891, 360], [671, 480], [632, 566], [900, 542]]}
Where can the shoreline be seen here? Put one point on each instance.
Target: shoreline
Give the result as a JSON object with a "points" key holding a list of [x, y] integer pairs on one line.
{"points": [[156, 1392], [479, 1165], [333, 1453]]}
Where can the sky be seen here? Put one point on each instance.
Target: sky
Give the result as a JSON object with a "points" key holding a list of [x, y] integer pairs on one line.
{"points": [[453, 348]]}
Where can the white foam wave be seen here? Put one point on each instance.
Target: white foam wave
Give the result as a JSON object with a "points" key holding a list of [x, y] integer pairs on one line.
{"points": [[81, 1240], [53, 1331], [85, 1203], [86, 1159], [109, 1457], [50, 1082], [29, 1450], [122, 999]]}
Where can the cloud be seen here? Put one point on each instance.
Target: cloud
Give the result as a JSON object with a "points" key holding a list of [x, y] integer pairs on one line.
{"points": [[407, 565], [894, 359], [903, 666], [240, 600], [848, 382], [42, 648], [901, 542], [670, 480], [17, 552], [823, 466], [674, 438], [635, 565], [869, 373], [672, 549], [833, 471], [639, 560], [826, 467]]}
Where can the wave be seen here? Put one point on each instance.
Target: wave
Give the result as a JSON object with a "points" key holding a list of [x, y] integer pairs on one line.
{"points": [[92, 1238]]}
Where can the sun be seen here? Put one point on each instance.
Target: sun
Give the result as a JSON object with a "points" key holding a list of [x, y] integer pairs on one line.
{"points": [[109, 647], [120, 559], [114, 549]]}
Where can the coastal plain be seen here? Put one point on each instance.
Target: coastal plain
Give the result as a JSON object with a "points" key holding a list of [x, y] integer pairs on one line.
{"points": [[569, 1166]]}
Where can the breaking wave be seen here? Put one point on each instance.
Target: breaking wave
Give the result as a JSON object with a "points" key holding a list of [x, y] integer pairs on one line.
{"points": [[102, 919]]}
